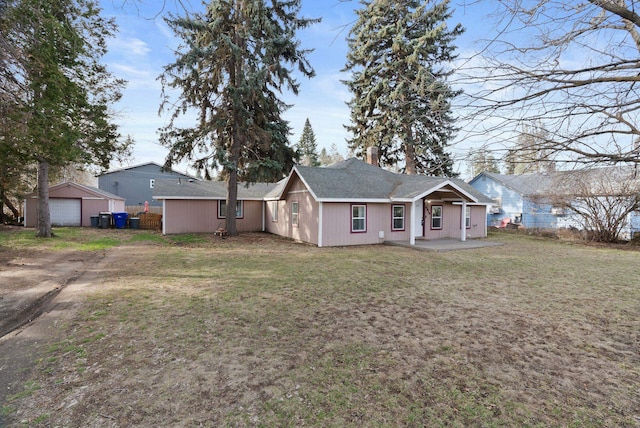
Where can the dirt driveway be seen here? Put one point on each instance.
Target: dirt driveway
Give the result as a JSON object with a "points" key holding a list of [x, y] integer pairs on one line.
{"points": [[38, 290]]}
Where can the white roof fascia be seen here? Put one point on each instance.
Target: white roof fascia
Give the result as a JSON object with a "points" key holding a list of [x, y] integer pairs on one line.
{"points": [[355, 200], [478, 204], [202, 198], [441, 185]]}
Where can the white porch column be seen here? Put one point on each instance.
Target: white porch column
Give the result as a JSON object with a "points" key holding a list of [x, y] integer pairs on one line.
{"points": [[463, 225], [319, 224], [412, 224]]}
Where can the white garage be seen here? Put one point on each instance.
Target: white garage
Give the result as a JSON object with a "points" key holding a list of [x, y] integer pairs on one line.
{"points": [[72, 204], [65, 212]]}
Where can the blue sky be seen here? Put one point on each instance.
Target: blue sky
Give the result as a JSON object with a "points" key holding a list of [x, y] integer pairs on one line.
{"points": [[145, 44]]}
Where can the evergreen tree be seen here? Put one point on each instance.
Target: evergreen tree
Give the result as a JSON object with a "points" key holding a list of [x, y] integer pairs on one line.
{"points": [[63, 91], [234, 59], [307, 146], [401, 99]]}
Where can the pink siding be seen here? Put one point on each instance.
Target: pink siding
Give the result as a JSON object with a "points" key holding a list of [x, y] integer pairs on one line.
{"points": [[337, 225], [308, 209], [201, 216], [91, 204], [31, 212], [451, 221], [94, 207], [478, 222]]}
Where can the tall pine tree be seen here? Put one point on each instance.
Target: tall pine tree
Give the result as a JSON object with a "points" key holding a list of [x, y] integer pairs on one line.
{"points": [[234, 60], [307, 146], [64, 92], [398, 51]]}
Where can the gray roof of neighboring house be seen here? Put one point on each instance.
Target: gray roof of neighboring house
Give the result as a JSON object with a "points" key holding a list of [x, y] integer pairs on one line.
{"points": [[525, 184], [566, 182], [193, 189]]}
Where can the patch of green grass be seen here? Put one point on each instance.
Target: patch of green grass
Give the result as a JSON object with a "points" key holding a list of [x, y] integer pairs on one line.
{"points": [[64, 239], [28, 389], [147, 237], [189, 238]]}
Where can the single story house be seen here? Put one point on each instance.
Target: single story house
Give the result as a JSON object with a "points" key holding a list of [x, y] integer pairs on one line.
{"points": [[350, 203], [539, 200], [516, 198], [135, 183], [72, 204]]}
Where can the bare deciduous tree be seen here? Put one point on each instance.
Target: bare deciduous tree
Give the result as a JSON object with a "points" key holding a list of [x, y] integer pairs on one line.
{"points": [[571, 66], [599, 199]]}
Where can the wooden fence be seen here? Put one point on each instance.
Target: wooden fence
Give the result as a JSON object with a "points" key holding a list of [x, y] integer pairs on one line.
{"points": [[151, 220]]}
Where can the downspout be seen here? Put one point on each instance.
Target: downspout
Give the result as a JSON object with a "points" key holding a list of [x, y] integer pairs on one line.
{"points": [[463, 221], [264, 203], [412, 224], [319, 224]]}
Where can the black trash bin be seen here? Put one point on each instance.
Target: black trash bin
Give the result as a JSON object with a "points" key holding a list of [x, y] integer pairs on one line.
{"points": [[105, 220], [134, 223], [95, 220]]}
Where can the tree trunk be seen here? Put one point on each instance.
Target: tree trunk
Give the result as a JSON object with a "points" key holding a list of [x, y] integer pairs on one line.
{"points": [[409, 152], [44, 214], [6, 202]]}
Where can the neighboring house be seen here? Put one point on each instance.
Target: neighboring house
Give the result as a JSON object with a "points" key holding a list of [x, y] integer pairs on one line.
{"points": [[516, 197], [350, 203], [135, 183], [528, 199], [72, 204]]}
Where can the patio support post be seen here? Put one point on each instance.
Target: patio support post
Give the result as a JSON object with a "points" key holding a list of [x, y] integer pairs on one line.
{"points": [[463, 222], [412, 224]]}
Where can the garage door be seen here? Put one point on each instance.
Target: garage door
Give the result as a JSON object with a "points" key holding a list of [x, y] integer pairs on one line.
{"points": [[65, 212]]}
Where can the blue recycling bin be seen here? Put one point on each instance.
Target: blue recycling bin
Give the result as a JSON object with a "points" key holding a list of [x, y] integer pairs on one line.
{"points": [[120, 219]]}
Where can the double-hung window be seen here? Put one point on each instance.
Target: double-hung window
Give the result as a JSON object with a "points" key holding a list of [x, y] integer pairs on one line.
{"points": [[397, 212], [467, 217], [294, 213], [222, 209], [274, 211], [358, 218], [436, 217]]}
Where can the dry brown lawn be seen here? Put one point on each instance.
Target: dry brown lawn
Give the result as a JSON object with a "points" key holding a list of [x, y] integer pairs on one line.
{"points": [[261, 331]]}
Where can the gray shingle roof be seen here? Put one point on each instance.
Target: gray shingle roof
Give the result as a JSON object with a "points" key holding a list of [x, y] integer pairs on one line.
{"points": [[564, 182], [190, 189], [351, 179]]}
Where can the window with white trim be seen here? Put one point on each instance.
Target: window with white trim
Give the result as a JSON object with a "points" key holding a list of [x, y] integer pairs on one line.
{"points": [[274, 211], [436, 217], [222, 209], [397, 212], [358, 218], [467, 217], [294, 213]]}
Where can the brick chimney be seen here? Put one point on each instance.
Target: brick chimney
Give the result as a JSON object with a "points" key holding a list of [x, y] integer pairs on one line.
{"points": [[372, 156]]}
